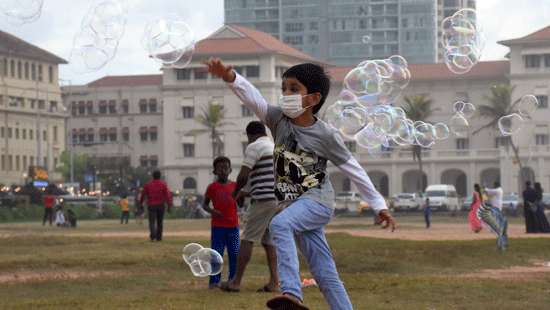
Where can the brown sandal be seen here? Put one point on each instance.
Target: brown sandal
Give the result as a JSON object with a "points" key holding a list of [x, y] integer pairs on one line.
{"points": [[285, 302]]}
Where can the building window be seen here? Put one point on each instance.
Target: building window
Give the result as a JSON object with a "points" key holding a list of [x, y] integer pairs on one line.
{"points": [[24, 134], [112, 134], [294, 40], [40, 75], [183, 74], [462, 144], [126, 134], [74, 107], [90, 107], [253, 71], [26, 70], [246, 112], [143, 161], [153, 161], [54, 133], [103, 135], [112, 106], [42, 105], [124, 105], [19, 70], [33, 72], [543, 101], [153, 133], [294, 27], [82, 136], [12, 68], [16, 133], [142, 105], [44, 135], [200, 73], [90, 135], [541, 139], [5, 68], [313, 26], [50, 74], [31, 134], [532, 61], [188, 112], [351, 145], [188, 150], [10, 135], [153, 105], [81, 108], [143, 133], [17, 163], [103, 107]]}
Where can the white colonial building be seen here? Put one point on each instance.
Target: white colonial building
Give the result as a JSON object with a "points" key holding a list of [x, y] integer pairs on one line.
{"points": [[185, 152], [32, 118]]}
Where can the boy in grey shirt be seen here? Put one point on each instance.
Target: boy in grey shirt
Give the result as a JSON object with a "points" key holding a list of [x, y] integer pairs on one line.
{"points": [[303, 146]]}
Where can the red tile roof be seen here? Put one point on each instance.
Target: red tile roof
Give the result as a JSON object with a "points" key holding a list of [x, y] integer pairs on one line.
{"points": [[250, 41], [425, 72], [127, 80], [12, 45], [542, 35]]}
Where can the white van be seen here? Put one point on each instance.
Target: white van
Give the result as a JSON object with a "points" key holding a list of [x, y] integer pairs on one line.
{"points": [[443, 197]]}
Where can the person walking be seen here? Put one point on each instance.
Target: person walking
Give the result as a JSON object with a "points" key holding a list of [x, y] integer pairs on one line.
{"points": [[49, 203], [477, 200], [124, 209], [529, 208], [158, 195], [427, 212], [540, 218], [257, 170]]}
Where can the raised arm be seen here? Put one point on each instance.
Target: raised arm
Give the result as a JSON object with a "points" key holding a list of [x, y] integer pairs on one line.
{"points": [[247, 93]]}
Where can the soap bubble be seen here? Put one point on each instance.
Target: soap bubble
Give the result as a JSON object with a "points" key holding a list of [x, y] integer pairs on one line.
{"points": [[96, 42], [366, 39], [510, 124], [19, 12], [465, 108], [463, 41], [528, 105], [189, 250], [169, 41], [459, 125], [424, 134], [203, 262], [441, 131], [206, 262]]}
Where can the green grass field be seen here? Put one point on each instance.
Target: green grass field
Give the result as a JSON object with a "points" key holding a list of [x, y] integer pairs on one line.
{"points": [[55, 268]]}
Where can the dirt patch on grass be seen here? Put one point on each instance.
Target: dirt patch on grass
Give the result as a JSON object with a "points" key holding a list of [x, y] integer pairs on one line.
{"points": [[515, 273], [37, 276]]}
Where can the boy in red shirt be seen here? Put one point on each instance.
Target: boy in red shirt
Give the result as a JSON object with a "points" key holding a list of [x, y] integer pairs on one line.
{"points": [[49, 202], [225, 221]]}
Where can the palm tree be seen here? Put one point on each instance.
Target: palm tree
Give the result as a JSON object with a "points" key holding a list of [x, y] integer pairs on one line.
{"points": [[212, 117], [500, 104], [418, 108]]}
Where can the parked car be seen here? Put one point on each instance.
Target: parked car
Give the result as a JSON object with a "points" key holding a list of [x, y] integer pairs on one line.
{"points": [[510, 204], [443, 197], [347, 201], [407, 201]]}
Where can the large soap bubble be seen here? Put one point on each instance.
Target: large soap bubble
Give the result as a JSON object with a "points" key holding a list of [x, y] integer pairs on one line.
{"points": [[463, 41], [510, 124], [170, 41], [202, 261], [19, 12]]}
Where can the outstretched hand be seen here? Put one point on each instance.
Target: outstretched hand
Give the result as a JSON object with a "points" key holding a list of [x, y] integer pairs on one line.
{"points": [[217, 68], [385, 216]]}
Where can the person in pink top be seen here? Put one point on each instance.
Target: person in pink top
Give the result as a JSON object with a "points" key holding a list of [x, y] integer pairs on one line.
{"points": [[158, 196], [473, 219]]}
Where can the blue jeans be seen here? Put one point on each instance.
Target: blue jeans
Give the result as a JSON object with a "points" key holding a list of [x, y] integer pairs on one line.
{"points": [[427, 213], [222, 237], [305, 220]]}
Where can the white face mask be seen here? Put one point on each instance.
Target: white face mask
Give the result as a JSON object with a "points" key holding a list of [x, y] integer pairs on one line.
{"points": [[292, 105]]}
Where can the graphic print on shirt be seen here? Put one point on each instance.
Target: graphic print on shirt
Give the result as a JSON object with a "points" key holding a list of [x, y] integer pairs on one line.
{"points": [[296, 170]]}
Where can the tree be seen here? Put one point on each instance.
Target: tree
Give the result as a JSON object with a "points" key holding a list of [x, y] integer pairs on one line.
{"points": [[80, 166], [212, 117], [418, 108], [500, 104]]}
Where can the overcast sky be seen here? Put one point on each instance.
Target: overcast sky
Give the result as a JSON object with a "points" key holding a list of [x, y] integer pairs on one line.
{"points": [[60, 19]]}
